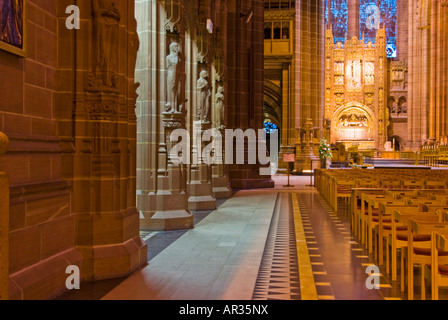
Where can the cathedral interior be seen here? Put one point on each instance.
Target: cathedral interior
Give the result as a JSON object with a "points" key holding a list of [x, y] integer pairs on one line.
{"points": [[224, 149]]}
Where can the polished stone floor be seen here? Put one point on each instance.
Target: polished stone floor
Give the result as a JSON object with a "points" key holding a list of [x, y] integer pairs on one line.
{"points": [[249, 249]]}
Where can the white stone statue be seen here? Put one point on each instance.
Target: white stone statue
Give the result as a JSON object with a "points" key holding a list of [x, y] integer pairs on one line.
{"points": [[220, 107], [172, 79], [204, 95]]}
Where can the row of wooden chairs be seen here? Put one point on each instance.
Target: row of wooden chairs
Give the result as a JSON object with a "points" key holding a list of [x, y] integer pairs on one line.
{"points": [[335, 185], [400, 216], [412, 225]]}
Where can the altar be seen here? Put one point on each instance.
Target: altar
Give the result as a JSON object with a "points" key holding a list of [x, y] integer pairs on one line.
{"points": [[361, 145]]}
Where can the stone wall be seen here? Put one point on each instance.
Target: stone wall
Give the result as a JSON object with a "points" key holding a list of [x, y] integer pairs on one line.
{"points": [[69, 204]]}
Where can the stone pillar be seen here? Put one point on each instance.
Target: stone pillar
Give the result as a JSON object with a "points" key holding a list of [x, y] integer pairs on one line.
{"points": [[200, 187], [245, 43], [419, 73], [288, 114], [310, 73], [220, 176], [102, 166], [353, 19], [438, 86], [4, 225], [161, 195]]}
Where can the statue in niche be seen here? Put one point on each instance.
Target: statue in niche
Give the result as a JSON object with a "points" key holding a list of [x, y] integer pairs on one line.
{"points": [[173, 79], [204, 95], [219, 107], [106, 17]]}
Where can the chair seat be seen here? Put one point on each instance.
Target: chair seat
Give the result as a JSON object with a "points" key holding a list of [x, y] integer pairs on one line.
{"points": [[388, 227], [375, 213], [417, 238], [427, 252]]}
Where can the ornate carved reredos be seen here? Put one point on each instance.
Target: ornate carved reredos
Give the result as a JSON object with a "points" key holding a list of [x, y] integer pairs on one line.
{"points": [[106, 18]]}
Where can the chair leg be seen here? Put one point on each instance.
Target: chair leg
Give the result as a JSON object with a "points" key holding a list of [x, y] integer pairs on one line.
{"points": [[402, 271], [435, 285], [394, 265], [423, 289], [410, 280], [388, 256], [380, 249]]}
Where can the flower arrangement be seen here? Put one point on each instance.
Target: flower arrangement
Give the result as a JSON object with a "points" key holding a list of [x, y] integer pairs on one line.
{"points": [[324, 150]]}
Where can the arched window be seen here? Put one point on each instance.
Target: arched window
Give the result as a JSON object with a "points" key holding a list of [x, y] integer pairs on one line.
{"points": [[270, 127]]}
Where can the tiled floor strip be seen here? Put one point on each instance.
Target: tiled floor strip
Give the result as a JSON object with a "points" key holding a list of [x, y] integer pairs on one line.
{"points": [[307, 283]]}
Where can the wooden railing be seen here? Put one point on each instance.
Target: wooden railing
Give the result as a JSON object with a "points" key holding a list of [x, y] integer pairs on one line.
{"points": [[4, 225], [435, 155]]}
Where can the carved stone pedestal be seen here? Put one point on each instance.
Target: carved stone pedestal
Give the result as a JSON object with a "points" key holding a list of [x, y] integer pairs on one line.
{"points": [[170, 211], [220, 177], [306, 161], [200, 187], [221, 183]]}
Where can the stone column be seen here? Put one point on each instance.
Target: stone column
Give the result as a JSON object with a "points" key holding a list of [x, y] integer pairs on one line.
{"points": [[162, 105], [104, 142], [220, 177], [419, 29], [353, 19], [4, 225], [310, 59], [245, 43]]}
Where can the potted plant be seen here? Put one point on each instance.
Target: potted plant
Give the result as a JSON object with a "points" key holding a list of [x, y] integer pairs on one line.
{"points": [[324, 153]]}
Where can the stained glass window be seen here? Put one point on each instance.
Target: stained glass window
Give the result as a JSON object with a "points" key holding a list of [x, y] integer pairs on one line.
{"points": [[371, 17], [388, 9], [339, 19], [270, 127]]}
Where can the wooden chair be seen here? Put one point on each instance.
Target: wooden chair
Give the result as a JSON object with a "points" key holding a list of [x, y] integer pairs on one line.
{"points": [[435, 184], [413, 184], [359, 206], [399, 239], [342, 190], [439, 263], [420, 254]]}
